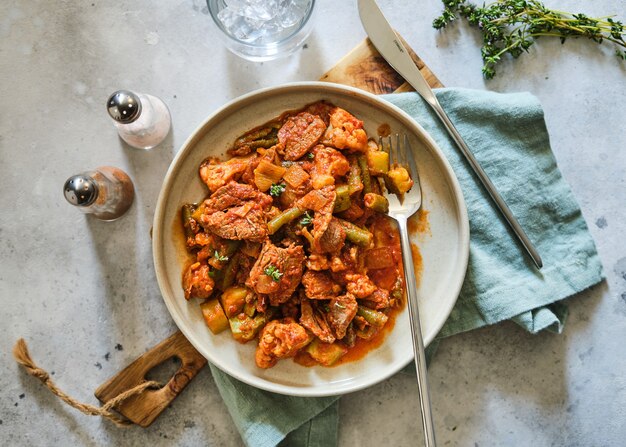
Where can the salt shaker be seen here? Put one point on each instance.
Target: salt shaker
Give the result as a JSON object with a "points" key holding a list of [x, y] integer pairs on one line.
{"points": [[143, 121], [105, 192]]}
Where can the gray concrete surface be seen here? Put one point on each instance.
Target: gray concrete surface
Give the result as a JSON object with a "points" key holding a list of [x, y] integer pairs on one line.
{"points": [[83, 292]]}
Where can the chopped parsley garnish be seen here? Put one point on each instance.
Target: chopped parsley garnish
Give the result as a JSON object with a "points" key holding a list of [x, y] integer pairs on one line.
{"points": [[273, 272], [310, 155], [277, 189], [219, 257], [306, 220]]}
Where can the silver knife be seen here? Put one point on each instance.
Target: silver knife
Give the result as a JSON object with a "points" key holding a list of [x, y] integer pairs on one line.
{"points": [[395, 53]]}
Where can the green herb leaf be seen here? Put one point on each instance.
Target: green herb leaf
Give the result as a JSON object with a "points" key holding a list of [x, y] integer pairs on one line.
{"points": [[277, 189], [306, 220], [273, 272], [219, 257], [512, 27], [310, 155]]}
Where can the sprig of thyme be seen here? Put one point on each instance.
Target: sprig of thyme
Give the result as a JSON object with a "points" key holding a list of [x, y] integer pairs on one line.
{"points": [[273, 272], [219, 257], [306, 219], [277, 189], [512, 26]]}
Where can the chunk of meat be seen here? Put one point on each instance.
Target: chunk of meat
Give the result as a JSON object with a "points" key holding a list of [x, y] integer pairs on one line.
{"points": [[333, 239], [319, 285], [378, 300], [236, 211], [291, 309], [196, 281], [288, 265], [216, 174], [322, 202], [315, 321], [235, 194], [246, 222], [248, 174], [359, 285], [342, 310], [322, 109], [299, 134], [328, 164], [280, 339], [345, 131]]}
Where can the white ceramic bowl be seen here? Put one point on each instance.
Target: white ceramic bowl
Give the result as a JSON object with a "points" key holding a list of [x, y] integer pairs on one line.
{"points": [[444, 251]]}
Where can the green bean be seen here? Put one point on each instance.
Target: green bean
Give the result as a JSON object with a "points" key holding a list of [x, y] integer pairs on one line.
{"points": [[397, 292], [365, 174], [265, 143], [342, 202], [372, 316], [376, 202], [367, 332], [284, 218], [356, 235], [186, 213], [230, 272], [264, 136], [354, 177], [231, 247], [258, 134]]}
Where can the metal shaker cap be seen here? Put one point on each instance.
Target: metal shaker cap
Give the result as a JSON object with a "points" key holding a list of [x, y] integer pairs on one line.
{"points": [[80, 190], [124, 106]]}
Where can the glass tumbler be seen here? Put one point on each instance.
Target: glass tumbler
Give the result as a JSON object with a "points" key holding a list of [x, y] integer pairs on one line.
{"points": [[261, 30]]}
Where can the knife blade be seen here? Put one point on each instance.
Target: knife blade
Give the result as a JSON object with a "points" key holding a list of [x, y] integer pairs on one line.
{"points": [[395, 53]]}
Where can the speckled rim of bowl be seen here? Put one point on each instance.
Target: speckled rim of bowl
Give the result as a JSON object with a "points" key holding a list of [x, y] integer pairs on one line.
{"points": [[240, 101]]}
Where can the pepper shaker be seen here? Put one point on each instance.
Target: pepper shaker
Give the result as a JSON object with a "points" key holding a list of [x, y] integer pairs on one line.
{"points": [[105, 192], [142, 120]]}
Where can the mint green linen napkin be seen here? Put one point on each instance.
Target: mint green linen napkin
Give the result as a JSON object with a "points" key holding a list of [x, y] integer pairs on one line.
{"points": [[508, 136]]}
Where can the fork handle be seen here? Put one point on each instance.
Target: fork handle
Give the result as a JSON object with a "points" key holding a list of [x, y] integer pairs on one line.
{"points": [[486, 181], [416, 332]]}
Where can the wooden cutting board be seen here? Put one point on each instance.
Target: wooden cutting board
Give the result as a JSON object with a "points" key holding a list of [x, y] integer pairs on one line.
{"points": [[364, 68]]}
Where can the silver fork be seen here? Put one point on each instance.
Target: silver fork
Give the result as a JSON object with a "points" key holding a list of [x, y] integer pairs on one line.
{"points": [[402, 154]]}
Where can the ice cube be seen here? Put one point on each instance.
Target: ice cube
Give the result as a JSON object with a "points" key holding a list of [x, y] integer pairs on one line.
{"points": [[261, 21], [291, 12], [254, 9]]}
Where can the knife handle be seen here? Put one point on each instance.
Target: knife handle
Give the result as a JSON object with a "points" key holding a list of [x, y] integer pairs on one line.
{"points": [[486, 181]]}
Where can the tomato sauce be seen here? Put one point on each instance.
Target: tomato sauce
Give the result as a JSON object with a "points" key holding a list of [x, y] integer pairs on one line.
{"points": [[362, 347], [418, 223], [384, 130], [418, 266]]}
